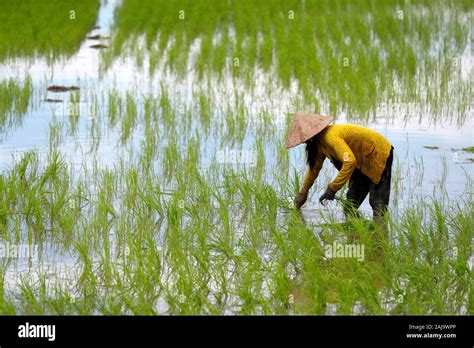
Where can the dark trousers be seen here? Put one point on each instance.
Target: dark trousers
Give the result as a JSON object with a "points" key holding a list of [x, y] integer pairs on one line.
{"points": [[379, 194], [360, 186]]}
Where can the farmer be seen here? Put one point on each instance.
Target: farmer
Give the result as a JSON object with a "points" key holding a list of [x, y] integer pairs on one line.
{"points": [[362, 156]]}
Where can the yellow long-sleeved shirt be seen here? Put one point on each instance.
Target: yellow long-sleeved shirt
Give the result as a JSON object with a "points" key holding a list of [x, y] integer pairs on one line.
{"points": [[355, 147]]}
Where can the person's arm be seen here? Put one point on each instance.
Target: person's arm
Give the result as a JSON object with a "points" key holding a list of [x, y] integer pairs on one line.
{"points": [[349, 162], [312, 173]]}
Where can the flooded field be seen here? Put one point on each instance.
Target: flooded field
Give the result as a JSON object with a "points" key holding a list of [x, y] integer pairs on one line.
{"points": [[143, 168]]}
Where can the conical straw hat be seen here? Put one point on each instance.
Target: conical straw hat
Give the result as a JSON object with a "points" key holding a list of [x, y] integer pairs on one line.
{"points": [[306, 125]]}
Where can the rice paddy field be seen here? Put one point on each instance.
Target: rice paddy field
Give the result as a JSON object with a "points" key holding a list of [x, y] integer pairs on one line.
{"points": [[143, 168]]}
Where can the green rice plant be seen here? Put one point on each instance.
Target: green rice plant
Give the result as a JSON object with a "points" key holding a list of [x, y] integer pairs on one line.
{"points": [[469, 149], [169, 228], [129, 120], [196, 261], [296, 40], [114, 107], [43, 25], [14, 102]]}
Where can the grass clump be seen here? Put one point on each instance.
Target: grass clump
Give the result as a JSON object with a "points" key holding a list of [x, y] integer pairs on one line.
{"points": [[347, 53], [469, 149], [14, 102], [222, 241], [44, 28]]}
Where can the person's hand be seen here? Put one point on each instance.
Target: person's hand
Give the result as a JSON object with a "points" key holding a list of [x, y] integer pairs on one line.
{"points": [[300, 200], [328, 195]]}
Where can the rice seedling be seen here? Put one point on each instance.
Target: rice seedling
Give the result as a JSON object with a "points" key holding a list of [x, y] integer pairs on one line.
{"points": [[129, 119], [308, 37], [43, 24], [247, 269], [14, 102], [160, 217], [469, 149]]}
